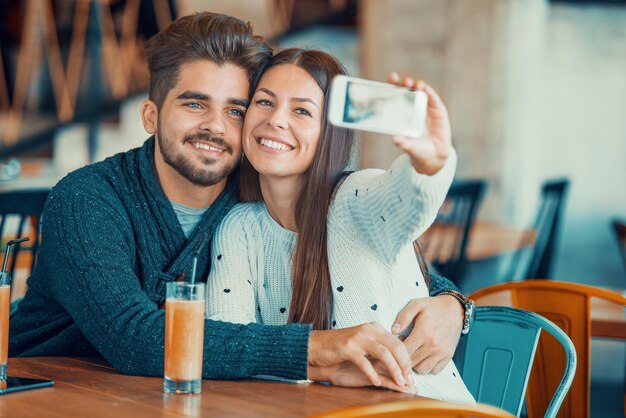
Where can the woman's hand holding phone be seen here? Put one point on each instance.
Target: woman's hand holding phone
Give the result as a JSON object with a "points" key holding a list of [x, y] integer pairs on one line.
{"points": [[429, 152]]}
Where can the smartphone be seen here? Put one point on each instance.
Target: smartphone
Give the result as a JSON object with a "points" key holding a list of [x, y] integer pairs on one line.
{"points": [[372, 106], [16, 384]]}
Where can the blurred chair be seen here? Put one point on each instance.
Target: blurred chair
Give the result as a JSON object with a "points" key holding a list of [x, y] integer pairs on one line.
{"points": [[536, 261], [422, 408], [620, 231], [19, 216], [496, 357], [568, 305], [445, 244]]}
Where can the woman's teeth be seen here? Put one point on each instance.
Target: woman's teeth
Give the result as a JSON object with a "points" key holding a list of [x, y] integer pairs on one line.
{"points": [[274, 145]]}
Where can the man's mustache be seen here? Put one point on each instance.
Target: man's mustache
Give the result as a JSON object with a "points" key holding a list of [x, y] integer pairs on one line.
{"points": [[206, 137]]}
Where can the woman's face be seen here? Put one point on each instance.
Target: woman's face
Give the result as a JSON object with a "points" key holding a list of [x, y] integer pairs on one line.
{"points": [[283, 122]]}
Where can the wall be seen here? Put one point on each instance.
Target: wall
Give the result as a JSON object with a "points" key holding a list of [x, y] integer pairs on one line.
{"points": [[482, 57], [583, 135], [535, 90]]}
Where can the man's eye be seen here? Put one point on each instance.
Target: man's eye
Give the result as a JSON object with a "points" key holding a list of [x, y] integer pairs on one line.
{"points": [[193, 105], [236, 112]]}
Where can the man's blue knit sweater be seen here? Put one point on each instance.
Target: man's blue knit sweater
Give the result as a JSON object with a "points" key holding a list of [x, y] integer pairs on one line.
{"points": [[110, 243]]}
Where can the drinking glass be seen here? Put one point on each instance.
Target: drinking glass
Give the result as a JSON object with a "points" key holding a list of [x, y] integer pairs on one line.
{"points": [[184, 337], [5, 302]]}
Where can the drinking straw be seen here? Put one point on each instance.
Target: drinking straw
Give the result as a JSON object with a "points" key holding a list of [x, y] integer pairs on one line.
{"points": [[195, 258], [8, 249]]}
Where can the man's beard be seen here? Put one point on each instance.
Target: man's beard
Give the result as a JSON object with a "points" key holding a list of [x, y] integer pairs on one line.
{"points": [[185, 167]]}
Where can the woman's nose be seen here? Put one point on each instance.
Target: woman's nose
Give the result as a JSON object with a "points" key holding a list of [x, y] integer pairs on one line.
{"points": [[277, 120]]}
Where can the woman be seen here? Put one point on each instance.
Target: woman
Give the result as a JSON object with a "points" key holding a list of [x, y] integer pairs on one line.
{"points": [[322, 247]]}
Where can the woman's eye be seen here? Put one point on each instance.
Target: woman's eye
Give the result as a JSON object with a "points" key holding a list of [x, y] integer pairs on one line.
{"points": [[263, 102], [302, 111]]}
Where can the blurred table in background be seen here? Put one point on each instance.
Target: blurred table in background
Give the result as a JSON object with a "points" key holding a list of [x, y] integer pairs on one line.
{"points": [[490, 239], [36, 174], [487, 239], [607, 319]]}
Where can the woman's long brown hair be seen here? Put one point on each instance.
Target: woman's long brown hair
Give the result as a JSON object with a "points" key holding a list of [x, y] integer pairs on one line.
{"points": [[311, 299]]}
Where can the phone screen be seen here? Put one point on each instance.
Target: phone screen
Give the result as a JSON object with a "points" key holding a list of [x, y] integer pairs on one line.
{"points": [[383, 108], [16, 384]]}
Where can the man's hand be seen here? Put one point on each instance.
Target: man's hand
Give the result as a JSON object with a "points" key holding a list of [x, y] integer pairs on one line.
{"points": [[437, 323], [359, 345], [348, 375]]}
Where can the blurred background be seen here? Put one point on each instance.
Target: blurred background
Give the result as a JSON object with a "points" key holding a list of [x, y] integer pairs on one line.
{"points": [[536, 91]]}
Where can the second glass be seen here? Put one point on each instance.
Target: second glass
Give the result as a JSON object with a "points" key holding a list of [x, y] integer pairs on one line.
{"points": [[5, 303], [184, 337]]}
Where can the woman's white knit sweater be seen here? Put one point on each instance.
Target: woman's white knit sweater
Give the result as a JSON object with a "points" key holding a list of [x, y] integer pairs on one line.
{"points": [[373, 220]]}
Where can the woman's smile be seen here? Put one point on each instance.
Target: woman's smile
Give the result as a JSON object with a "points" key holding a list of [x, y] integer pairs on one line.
{"points": [[283, 122]]}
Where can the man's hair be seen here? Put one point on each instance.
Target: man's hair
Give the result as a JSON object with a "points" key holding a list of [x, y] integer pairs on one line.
{"points": [[202, 36]]}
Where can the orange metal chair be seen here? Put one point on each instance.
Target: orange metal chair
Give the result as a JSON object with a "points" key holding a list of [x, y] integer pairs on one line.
{"points": [[568, 305], [422, 408]]}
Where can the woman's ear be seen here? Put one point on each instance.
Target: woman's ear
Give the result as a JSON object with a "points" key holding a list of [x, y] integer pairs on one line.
{"points": [[149, 116]]}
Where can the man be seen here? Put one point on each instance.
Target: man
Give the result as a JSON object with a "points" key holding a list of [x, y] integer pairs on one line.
{"points": [[115, 232]]}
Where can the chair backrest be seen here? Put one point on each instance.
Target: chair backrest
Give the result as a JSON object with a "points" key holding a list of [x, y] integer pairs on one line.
{"points": [[446, 247], [423, 408], [19, 216], [496, 358], [568, 305], [536, 261], [620, 231]]}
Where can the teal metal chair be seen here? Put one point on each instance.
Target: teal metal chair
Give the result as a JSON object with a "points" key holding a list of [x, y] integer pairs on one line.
{"points": [[496, 357]]}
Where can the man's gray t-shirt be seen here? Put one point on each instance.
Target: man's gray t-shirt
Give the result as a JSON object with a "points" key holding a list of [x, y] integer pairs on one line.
{"points": [[188, 217]]}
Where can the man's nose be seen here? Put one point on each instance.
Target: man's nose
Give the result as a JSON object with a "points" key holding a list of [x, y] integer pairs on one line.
{"points": [[214, 123]]}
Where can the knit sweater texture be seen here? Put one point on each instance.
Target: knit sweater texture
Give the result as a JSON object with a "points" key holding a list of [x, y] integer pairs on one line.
{"points": [[110, 243], [373, 220]]}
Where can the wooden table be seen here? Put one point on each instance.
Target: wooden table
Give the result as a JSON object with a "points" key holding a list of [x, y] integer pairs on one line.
{"points": [[89, 387], [487, 239], [607, 320], [35, 174]]}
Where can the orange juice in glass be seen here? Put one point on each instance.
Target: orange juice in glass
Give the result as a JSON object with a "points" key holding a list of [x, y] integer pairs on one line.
{"points": [[5, 302], [184, 337]]}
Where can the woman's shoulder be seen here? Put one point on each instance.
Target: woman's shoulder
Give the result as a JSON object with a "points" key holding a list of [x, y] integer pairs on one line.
{"points": [[361, 180], [354, 186], [355, 180], [360, 176], [368, 186], [243, 215]]}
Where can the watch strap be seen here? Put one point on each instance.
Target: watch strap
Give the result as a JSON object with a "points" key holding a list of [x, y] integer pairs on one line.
{"points": [[468, 307]]}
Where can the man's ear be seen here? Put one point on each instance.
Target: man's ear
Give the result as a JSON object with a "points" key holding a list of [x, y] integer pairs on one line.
{"points": [[149, 116]]}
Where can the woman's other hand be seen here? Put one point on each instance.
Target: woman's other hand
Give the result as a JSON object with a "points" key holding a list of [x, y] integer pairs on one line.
{"points": [[360, 345], [348, 375]]}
